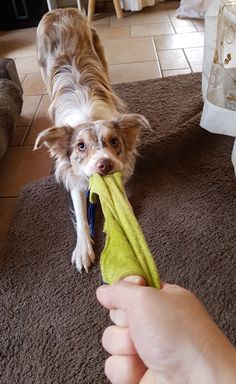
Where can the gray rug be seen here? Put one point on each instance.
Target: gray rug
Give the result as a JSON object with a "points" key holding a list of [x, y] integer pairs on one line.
{"points": [[183, 194]]}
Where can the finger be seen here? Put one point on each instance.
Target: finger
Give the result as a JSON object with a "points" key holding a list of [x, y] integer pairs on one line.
{"points": [[117, 341], [119, 317], [124, 369], [121, 295]]}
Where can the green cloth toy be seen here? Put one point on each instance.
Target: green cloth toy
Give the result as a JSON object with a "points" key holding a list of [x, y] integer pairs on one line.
{"points": [[126, 251]]}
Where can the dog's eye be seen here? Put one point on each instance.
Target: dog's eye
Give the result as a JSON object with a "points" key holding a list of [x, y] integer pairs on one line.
{"points": [[114, 142], [81, 146]]}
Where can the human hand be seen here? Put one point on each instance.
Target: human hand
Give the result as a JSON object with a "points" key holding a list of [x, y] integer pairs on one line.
{"points": [[160, 336]]}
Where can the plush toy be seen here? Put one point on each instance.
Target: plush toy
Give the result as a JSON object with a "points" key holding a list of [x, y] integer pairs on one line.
{"points": [[126, 251]]}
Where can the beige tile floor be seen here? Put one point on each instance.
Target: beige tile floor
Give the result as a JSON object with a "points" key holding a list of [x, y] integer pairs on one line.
{"points": [[149, 44]]}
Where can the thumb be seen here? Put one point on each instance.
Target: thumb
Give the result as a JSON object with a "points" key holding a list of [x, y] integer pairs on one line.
{"points": [[122, 295]]}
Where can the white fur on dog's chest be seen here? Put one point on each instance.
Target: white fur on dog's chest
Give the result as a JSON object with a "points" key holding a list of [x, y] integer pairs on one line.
{"points": [[84, 113], [75, 119]]}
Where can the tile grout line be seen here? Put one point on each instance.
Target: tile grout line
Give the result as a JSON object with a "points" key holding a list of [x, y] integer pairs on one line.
{"points": [[134, 62], [178, 33], [150, 24], [27, 131], [21, 146], [8, 197], [157, 57], [190, 67], [172, 25], [194, 22]]}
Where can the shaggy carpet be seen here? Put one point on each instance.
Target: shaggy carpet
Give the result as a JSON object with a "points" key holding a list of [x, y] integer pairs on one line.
{"points": [[183, 193]]}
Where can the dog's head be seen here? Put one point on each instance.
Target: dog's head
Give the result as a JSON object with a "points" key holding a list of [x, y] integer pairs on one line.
{"points": [[101, 146]]}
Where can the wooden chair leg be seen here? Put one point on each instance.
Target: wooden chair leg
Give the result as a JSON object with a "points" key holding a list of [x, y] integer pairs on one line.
{"points": [[91, 9], [119, 11]]}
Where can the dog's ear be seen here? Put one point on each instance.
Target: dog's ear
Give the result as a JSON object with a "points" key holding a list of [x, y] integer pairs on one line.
{"points": [[130, 126], [57, 139]]}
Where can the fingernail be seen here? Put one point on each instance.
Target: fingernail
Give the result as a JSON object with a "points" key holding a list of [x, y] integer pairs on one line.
{"points": [[102, 289], [135, 280]]}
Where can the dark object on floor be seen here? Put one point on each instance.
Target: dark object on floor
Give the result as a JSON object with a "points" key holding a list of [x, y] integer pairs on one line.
{"points": [[16, 14], [10, 101], [8, 71], [183, 194]]}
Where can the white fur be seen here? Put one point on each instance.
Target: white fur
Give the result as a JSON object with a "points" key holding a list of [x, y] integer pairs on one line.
{"points": [[83, 255], [75, 103]]}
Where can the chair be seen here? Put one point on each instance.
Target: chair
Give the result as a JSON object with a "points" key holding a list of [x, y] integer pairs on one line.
{"points": [[91, 8], [52, 4]]}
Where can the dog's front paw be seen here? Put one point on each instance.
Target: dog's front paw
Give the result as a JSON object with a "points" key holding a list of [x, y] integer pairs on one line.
{"points": [[83, 255]]}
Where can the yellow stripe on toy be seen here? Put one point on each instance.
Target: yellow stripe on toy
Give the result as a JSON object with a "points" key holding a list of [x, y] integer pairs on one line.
{"points": [[126, 251]]}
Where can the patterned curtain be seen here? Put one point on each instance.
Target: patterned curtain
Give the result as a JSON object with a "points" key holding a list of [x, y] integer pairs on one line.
{"points": [[219, 75]]}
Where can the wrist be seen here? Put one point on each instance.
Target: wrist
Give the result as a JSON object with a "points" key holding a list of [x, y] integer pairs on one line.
{"points": [[215, 359]]}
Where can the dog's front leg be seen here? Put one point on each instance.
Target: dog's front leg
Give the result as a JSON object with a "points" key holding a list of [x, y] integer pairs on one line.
{"points": [[83, 255]]}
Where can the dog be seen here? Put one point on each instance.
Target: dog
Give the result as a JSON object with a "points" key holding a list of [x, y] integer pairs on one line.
{"points": [[92, 131]]}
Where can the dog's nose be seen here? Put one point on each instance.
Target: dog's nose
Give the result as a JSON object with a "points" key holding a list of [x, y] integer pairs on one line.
{"points": [[104, 166]]}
